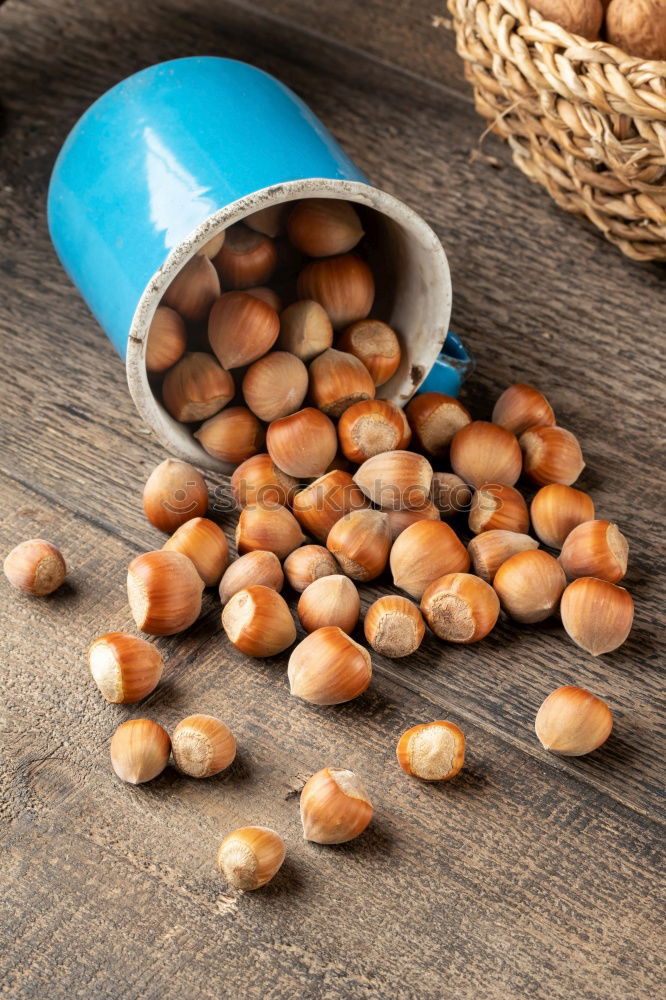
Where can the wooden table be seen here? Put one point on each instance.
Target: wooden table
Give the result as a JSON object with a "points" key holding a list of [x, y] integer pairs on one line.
{"points": [[529, 876]]}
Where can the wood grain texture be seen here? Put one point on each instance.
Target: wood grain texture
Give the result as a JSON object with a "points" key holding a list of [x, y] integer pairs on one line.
{"points": [[530, 876]]}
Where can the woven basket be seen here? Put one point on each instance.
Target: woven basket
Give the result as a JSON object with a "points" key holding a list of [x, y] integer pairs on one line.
{"points": [[582, 118]]}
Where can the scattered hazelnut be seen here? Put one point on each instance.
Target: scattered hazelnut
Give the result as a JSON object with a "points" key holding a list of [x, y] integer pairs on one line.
{"points": [[335, 807], [35, 567], [433, 751], [139, 750], [250, 857], [573, 722]]}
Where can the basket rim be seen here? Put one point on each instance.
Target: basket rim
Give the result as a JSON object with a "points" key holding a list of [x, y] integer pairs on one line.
{"points": [[536, 28]]}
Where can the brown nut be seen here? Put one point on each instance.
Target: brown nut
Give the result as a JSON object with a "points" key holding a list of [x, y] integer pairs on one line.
{"points": [[202, 746], [435, 419], [423, 553], [258, 480], [460, 607], [497, 506], [596, 614], [492, 548], [482, 452], [202, 541], [450, 494], [394, 626], [35, 567], [573, 722], [329, 668], [268, 527], [255, 568], [595, 548], [196, 388], [375, 344], [369, 428], [344, 286], [305, 329], [250, 857], [174, 493], [241, 329], [302, 444], [401, 519], [246, 258], [361, 542], [258, 621], [330, 600], [233, 435], [323, 227], [320, 505], [529, 585], [308, 563], [396, 480], [124, 667], [338, 380], [522, 406], [275, 385], [433, 751], [139, 750], [551, 455], [194, 289], [556, 510], [164, 591], [166, 341], [335, 807]]}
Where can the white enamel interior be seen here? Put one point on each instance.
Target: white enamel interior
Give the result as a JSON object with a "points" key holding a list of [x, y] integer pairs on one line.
{"points": [[413, 296]]}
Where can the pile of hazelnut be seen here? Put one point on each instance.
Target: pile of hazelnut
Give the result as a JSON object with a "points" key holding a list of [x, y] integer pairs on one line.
{"points": [[329, 506], [638, 27]]}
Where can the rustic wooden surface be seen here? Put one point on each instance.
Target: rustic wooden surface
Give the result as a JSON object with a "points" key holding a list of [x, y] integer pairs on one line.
{"points": [[529, 876]]}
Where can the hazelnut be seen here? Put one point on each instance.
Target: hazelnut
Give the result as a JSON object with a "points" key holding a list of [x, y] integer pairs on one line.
{"points": [[323, 227], [596, 614], [164, 591], [424, 552], [460, 607], [573, 722], [174, 493], [258, 621], [338, 380], [35, 567], [433, 751], [521, 406], [257, 567], [486, 453], [329, 668], [139, 750], [250, 857], [376, 345], [394, 626], [196, 388], [330, 600], [551, 455], [246, 258], [275, 385], [529, 585], [344, 286], [435, 419], [335, 807], [232, 436], [167, 339]]}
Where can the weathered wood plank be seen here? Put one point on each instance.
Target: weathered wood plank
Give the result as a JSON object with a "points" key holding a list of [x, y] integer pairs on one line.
{"points": [[496, 885]]}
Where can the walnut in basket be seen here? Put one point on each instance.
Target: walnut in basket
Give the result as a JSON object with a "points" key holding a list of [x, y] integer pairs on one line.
{"points": [[638, 27], [580, 17]]}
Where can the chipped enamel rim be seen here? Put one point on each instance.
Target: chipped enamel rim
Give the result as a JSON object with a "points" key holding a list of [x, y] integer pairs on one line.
{"points": [[422, 301]]}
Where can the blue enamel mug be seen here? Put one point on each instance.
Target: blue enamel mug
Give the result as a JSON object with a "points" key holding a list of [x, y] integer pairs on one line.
{"points": [[171, 156]]}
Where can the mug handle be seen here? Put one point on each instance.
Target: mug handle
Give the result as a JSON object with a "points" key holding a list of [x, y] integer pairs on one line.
{"points": [[452, 367]]}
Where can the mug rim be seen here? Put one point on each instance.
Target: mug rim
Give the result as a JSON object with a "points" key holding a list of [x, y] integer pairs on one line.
{"points": [[178, 439]]}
